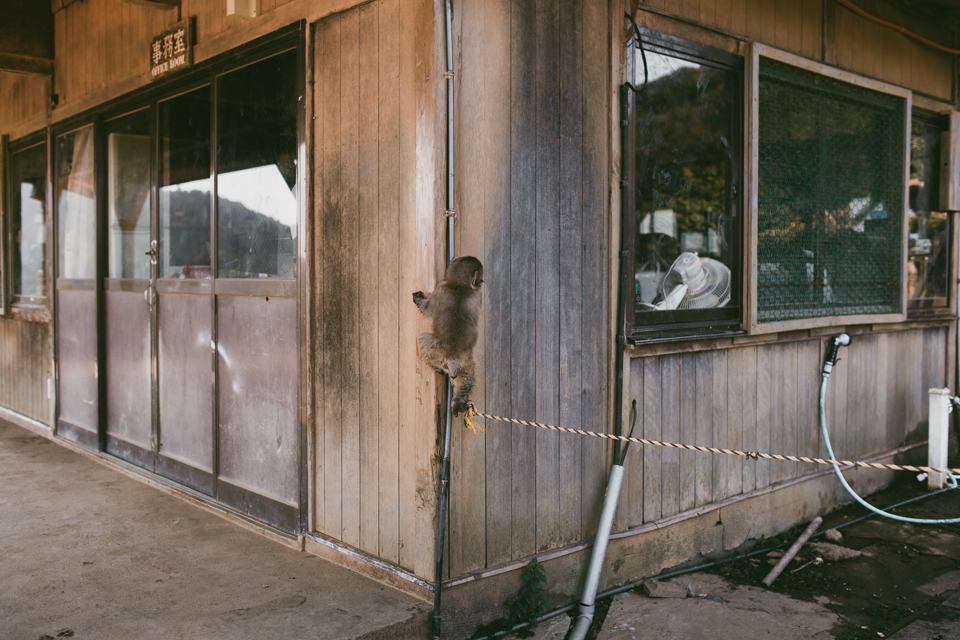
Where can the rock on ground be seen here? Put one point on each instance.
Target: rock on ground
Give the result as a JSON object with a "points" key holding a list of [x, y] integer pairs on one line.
{"points": [[657, 589], [728, 613], [832, 552], [552, 629]]}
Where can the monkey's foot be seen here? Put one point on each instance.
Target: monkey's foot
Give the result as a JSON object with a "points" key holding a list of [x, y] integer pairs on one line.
{"points": [[468, 420]]}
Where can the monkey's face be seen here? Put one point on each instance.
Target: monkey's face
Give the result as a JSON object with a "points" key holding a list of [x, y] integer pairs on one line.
{"points": [[465, 271]]}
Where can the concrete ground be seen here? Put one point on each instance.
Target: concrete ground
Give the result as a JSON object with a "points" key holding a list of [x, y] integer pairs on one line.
{"points": [[88, 552]]}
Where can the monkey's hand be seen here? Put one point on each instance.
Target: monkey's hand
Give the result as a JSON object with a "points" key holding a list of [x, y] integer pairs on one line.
{"points": [[418, 299]]}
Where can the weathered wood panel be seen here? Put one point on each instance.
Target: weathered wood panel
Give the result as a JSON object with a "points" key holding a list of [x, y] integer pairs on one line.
{"points": [[765, 398], [25, 367], [103, 42], [25, 100], [533, 204], [375, 411], [388, 268]]}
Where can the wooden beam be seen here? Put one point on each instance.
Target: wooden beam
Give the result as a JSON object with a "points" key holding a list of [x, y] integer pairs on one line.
{"points": [[157, 4], [26, 64]]}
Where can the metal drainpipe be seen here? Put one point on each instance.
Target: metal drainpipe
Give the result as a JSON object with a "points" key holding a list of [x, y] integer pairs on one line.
{"points": [[451, 254], [615, 480]]}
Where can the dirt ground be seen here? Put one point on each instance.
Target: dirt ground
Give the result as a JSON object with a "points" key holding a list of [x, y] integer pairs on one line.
{"points": [[898, 581], [904, 571]]}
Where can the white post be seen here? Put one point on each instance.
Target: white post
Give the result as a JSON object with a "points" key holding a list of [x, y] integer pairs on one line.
{"points": [[939, 433]]}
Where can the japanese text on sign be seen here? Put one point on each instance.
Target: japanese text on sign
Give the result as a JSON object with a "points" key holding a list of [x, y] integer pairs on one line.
{"points": [[171, 50]]}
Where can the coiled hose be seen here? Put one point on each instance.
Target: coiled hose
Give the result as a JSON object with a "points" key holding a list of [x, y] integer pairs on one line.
{"points": [[842, 340]]}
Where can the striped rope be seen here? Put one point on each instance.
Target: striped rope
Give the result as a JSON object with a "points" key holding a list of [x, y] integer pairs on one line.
{"points": [[472, 413]]}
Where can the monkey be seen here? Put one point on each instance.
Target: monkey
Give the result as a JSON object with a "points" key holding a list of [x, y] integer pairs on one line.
{"points": [[454, 307]]}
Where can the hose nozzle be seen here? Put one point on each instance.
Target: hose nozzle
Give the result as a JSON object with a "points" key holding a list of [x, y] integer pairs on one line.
{"points": [[841, 340]]}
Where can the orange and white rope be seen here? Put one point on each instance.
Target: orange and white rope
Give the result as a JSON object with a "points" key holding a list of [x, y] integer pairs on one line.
{"points": [[472, 414]]}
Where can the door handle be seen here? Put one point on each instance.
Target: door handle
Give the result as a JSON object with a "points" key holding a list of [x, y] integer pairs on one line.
{"points": [[150, 295], [153, 252]]}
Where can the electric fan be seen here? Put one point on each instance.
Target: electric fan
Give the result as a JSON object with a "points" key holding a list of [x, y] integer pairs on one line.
{"points": [[703, 283]]}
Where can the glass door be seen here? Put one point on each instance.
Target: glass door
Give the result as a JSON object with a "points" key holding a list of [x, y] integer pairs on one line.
{"points": [[158, 293], [184, 286], [128, 293], [76, 292], [200, 288]]}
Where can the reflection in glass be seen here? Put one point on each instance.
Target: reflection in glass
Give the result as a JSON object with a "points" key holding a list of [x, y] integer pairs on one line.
{"points": [[28, 224], [257, 169], [685, 172], [829, 193], [76, 205], [128, 191], [185, 185], [929, 264]]}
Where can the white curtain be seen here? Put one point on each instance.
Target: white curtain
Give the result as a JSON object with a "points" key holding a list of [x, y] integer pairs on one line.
{"points": [[76, 207]]}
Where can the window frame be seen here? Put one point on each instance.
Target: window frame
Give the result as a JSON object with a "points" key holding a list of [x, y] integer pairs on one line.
{"points": [[685, 324], [37, 309], [752, 86], [4, 212], [947, 123]]}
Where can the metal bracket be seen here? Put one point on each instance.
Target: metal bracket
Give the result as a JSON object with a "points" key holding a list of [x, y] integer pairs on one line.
{"points": [[450, 213]]}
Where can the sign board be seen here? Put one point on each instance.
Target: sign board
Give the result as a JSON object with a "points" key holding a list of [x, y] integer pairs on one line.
{"points": [[172, 50]]}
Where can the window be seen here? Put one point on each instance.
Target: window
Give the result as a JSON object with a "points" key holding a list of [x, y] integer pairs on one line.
{"points": [[28, 226], [829, 197], [257, 169], [76, 206], [686, 137], [928, 254], [185, 185]]}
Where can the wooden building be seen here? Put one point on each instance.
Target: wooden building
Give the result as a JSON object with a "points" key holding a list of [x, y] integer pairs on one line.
{"points": [[212, 226]]}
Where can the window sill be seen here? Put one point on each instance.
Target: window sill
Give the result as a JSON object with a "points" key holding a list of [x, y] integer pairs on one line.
{"points": [[638, 347], [29, 313]]}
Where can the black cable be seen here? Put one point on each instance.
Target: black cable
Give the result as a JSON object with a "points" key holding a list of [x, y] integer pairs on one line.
{"points": [[633, 423], [635, 30]]}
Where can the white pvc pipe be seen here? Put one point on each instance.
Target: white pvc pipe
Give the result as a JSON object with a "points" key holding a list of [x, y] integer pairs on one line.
{"points": [[597, 556], [939, 425]]}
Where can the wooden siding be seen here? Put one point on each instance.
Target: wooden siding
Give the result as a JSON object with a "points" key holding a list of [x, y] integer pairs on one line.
{"points": [[376, 220], [99, 43], [25, 367], [24, 101], [766, 398], [533, 107], [104, 43], [830, 33]]}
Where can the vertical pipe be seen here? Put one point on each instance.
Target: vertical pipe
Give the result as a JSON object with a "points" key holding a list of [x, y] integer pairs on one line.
{"points": [[939, 425], [451, 254], [598, 554]]}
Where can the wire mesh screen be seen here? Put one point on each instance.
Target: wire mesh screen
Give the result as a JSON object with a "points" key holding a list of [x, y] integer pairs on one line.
{"points": [[830, 197]]}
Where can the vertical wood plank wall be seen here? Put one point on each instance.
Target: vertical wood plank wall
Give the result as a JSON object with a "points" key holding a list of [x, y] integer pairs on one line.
{"points": [[25, 347], [25, 365], [100, 43], [533, 113], [25, 99], [766, 398], [375, 179]]}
